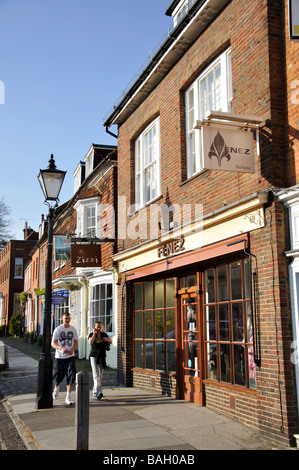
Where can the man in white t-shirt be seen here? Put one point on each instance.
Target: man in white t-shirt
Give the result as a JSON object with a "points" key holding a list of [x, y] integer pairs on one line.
{"points": [[64, 341]]}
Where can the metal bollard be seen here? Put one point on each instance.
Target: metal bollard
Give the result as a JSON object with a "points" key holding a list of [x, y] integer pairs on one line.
{"points": [[82, 411]]}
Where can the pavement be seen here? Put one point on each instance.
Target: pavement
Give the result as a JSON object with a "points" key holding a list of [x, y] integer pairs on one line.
{"points": [[125, 419]]}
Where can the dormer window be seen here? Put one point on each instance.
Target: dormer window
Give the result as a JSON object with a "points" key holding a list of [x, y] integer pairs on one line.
{"points": [[181, 10], [89, 162], [79, 175]]}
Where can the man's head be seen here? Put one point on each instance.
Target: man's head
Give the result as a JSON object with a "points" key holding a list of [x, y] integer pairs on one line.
{"points": [[66, 320]]}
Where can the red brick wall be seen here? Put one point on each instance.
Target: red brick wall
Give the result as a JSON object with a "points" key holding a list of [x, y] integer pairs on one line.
{"points": [[257, 90], [257, 35], [292, 101]]}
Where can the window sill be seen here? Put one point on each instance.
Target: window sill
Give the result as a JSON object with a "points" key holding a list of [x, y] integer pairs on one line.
{"points": [[145, 205], [205, 172], [236, 388], [151, 371]]}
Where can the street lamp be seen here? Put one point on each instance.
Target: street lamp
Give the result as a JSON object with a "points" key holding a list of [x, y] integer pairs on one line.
{"points": [[51, 181]]}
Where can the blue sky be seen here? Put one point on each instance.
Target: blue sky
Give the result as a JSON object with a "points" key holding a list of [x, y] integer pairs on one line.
{"points": [[63, 65]]}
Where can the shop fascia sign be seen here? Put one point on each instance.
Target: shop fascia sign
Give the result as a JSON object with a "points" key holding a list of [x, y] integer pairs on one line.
{"points": [[294, 18], [227, 141], [171, 248]]}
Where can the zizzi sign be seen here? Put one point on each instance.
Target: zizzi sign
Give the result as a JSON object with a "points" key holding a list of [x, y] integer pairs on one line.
{"points": [[228, 149], [86, 256], [171, 248]]}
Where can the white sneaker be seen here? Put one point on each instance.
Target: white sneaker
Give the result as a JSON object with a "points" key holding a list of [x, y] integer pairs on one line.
{"points": [[55, 393], [68, 400]]}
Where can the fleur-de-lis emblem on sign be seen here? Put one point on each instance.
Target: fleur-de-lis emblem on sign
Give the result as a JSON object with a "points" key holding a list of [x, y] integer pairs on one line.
{"points": [[218, 149]]}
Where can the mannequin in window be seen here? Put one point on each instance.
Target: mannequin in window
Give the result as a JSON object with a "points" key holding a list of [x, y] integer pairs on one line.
{"points": [[191, 322]]}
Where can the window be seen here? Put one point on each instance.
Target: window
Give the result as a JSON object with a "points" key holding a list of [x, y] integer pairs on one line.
{"points": [[60, 310], [154, 325], [229, 340], [42, 276], [87, 215], [182, 11], [79, 175], [91, 221], [147, 165], [212, 91], [18, 268], [101, 306]]}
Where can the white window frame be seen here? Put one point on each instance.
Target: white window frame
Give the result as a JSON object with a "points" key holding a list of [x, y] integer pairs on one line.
{"points": [[59, 310], [218, 74], [147, 165], [88, 225], [99, 304], [181, 11]]}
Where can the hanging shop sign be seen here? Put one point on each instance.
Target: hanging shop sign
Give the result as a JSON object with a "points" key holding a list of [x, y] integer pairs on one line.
{"points": [[294, 18], [227, 149], [62, 248], [86, 256]]}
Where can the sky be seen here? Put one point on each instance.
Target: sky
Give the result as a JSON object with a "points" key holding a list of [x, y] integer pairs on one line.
{"points": [[63, 65]]}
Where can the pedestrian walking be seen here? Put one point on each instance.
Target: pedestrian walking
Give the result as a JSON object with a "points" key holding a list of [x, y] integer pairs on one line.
{"points": [[64, 341], [100, 343]]}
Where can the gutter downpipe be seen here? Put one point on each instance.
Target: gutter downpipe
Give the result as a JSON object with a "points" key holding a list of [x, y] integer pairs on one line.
{"points": [[253, 304], [109, 132]]}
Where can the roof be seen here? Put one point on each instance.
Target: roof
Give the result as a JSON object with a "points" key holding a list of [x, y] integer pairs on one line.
{"points": [[183, 34]]}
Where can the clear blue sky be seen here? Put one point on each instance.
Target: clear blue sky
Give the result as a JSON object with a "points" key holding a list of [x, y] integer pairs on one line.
{"points": [[64, 64]]}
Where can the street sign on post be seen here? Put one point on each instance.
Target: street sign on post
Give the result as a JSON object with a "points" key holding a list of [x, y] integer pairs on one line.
{"points": [[59, 297]]}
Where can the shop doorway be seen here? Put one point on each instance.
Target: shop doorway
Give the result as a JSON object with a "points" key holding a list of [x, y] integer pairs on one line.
{"points": [[191, 347]]}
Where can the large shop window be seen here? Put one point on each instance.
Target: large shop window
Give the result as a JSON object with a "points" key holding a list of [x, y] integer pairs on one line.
{"points": [[229, 334], [211, 91], [154, 321], [101, 307]]}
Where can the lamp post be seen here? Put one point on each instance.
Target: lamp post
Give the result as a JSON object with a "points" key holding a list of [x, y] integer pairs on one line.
{"points": [[51, 181]]}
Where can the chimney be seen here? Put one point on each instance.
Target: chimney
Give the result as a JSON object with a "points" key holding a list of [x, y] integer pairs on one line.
{"points": [[25, 230]]}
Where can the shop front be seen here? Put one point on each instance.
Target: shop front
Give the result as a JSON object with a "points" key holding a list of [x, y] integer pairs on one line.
{"points": [[193, 325], [192, 309]]}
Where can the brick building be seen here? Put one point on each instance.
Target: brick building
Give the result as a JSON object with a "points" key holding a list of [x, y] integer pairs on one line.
{"points": [[83, 272], [13, 259], [207, 154], [34, 283]]}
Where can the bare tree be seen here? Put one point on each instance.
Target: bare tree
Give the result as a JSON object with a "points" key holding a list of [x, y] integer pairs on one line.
{"points": [[5, 222]]}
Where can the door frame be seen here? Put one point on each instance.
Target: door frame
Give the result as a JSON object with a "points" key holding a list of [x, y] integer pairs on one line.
{"points": [[190, 388]]}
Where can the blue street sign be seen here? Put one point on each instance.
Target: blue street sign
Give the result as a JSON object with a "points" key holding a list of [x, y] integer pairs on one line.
{"points": [[59, 297]]}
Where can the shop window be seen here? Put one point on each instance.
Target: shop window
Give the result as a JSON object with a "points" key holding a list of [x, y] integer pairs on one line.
{"points": [[186, 282], [154, 325], [229, 341], [101, 307]]}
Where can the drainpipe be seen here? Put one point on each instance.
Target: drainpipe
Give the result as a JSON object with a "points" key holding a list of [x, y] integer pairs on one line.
{"points": [[253, 305], [111, 133]]}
